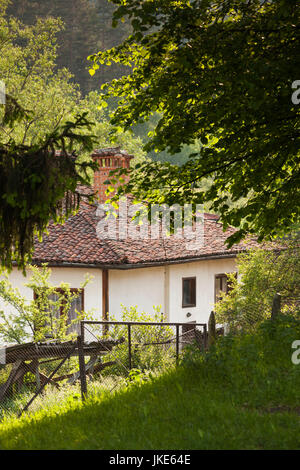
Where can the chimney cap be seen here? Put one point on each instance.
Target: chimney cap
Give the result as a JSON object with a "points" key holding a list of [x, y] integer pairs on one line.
{"points": [[111, 152]]}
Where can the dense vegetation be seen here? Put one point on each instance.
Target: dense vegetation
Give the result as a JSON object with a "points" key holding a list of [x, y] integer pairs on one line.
{"points": [[223, 73], [262, 274], [87, 27], [44, 112]]}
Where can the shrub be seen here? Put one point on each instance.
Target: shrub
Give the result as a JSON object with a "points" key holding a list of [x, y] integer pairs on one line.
{"points": [[263, 274], [151, 346], [47, 315], [258, 365]]}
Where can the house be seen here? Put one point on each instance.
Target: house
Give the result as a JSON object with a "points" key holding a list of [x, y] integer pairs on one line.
{"points": [[134, 270]]}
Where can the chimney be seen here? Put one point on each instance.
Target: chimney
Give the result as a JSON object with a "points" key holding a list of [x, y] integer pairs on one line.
{"points": [[108, 159]]}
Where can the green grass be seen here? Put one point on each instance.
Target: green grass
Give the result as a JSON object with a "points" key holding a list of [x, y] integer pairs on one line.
{"points": [[178, 410], [243, 395]]}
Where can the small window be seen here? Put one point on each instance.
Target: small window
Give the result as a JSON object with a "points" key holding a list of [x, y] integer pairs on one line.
{"points": [[77, 304], [189, 292], [222, 284]]}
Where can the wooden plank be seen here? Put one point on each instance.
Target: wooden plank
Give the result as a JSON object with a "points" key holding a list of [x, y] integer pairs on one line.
{"points": [[88, 366], [31, 351], [5, 387]]}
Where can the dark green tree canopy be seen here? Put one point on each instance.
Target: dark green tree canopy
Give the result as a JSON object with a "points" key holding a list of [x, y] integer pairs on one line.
{"points": [[221, 72]]}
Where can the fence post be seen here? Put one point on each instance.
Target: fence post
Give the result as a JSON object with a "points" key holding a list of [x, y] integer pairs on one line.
{"points": [[80, 342], [276, 306], [177, 343], [129, 346], [211, 329], [205, 337]]}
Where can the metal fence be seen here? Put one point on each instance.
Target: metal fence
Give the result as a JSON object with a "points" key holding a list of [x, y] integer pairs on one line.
{"points": [[26, 369], [103, 357], [140, 345]]}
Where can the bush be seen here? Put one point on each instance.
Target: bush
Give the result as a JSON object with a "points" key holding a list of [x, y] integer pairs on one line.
{"points": [[258, 365], [263, 274], [44, 317], [151, 346]]}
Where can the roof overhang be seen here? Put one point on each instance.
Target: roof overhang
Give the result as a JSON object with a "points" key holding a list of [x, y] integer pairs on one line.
{"points": [[127, 266]]}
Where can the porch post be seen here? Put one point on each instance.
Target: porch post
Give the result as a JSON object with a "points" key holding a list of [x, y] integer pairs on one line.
{"points": [[105, 297]]}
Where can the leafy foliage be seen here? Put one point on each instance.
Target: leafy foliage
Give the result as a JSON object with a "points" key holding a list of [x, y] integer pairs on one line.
{"points": [[98, 112], [263, 273], [47, 132], [86, 27], [222, 73], [150, 344], [42, 317], [37, 183]]}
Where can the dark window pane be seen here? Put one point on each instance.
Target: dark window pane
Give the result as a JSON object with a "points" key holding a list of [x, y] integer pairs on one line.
{"points": [[222, 284], [189, 292], [76, 305]]}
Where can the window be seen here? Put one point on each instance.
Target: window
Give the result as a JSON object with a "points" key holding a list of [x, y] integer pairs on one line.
{"points": [[189, 292], [76, 305], [222, 284]]}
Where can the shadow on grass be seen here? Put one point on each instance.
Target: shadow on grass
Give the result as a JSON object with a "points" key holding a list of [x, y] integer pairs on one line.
{"points": [[178, 410]]}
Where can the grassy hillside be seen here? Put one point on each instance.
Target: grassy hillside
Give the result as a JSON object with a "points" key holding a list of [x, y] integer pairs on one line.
{"points": [[239, 396]]}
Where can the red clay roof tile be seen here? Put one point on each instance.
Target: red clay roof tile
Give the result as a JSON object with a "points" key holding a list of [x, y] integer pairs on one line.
{"points": [[77, 242]]}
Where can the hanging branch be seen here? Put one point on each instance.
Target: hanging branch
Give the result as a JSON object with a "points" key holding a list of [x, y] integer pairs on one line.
{"points": [[38, 183]]}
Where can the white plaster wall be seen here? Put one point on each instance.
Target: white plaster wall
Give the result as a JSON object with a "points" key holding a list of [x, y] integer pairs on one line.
{"points": [[143, 287], [73, 276], [205, 272], [146, 287]]}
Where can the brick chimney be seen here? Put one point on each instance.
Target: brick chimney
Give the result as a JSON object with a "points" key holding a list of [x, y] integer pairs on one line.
{"points": [[108, 159]]}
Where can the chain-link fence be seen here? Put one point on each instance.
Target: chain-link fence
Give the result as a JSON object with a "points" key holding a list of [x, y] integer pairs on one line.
{"points": [[29, 370], [37, 374], [26, 369], [146, 346]]}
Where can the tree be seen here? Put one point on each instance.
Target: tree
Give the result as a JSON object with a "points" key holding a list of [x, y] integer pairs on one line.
{"points": [[39, 172], [102, 129], [47, 315], [87, 27], [47, 132], [263, 274], [221, 72]]}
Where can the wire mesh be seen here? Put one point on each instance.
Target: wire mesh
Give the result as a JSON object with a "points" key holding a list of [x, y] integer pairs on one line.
{"points": [[146, 346], [26, 369], [38, 374]]}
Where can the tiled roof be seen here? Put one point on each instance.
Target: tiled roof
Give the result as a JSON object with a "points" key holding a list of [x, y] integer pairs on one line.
{"points": [[76, 242]]}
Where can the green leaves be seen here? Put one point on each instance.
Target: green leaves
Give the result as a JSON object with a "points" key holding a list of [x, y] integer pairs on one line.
{"points": [[223, 70], [47, 314], [263, 273], [38, 183]]}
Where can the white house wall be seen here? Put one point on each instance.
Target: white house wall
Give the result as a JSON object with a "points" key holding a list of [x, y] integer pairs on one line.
{"points": [[205, 272], [143, 287], [73, 276], [162, 286]]}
